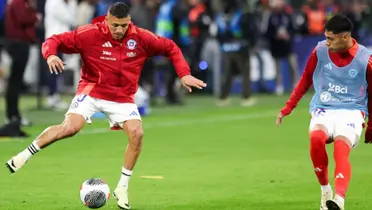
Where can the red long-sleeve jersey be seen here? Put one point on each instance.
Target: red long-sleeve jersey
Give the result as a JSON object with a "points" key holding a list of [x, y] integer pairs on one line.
{"points": [[340, 59], [111, 68]]}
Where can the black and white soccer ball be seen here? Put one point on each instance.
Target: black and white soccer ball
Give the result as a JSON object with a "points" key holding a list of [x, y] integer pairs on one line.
{"points": [[94, 193]]}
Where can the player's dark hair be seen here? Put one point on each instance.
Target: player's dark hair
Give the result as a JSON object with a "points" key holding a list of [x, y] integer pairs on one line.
{"points": [[339, 24], [119, 10]]}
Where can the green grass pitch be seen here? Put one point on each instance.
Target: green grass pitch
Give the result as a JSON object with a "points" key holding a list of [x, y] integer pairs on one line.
{"points": [[211, 158]]}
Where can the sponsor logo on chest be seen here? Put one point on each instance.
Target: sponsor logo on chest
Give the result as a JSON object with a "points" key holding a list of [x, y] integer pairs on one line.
{"points": [[131, 44]]}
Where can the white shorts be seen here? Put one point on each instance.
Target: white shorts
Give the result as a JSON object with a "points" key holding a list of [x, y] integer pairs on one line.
{"points": [[348, 123], [117, 113]]}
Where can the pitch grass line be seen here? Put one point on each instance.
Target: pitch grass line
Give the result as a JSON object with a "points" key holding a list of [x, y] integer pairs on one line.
{"points": [[176, 123]]}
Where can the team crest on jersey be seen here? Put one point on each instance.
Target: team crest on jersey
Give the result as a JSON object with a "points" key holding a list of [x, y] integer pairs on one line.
{"points": [[131, 44], [353, 73]]}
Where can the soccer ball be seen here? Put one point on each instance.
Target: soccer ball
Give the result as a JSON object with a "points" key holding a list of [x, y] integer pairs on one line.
{"points": [[94, 193]]}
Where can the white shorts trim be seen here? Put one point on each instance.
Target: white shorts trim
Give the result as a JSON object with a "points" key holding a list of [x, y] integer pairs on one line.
{"points": [[117, 113], [348, 123]]}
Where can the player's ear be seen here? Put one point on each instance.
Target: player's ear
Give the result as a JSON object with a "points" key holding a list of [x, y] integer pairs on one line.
{"points": [[345, 36], [107, 16]]}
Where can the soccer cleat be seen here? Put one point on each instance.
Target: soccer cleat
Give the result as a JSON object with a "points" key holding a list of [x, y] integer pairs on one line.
{"points": [[55, 102], [279, 90], [23, 121], [121, 195], [15, 163], [335, 204], [326, 195], [249, 102], [223, 102]]}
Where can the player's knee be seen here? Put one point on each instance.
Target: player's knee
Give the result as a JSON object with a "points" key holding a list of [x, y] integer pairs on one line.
{"points": [[135, 137], [318, 138], [69, 129], [344, 140], [135, 132]]}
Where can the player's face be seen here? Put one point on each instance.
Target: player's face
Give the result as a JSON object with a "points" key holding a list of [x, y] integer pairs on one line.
{"points": [[336, 42], [118, 26]]}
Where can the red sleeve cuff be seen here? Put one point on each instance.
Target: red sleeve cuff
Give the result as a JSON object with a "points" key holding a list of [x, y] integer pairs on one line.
{"points": [[46, 56], [184, 73], [286, 111]]}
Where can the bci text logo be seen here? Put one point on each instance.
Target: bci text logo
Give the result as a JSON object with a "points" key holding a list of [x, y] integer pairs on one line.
{"points": [[337, 88]]}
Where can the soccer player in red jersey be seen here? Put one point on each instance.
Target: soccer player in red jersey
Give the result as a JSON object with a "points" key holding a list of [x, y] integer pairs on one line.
{"points": [[340, 70], [113, 52]]}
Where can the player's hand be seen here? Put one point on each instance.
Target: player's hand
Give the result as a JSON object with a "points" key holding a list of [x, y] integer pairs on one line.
{"points": [[189, 81], [368, 135], [279, 119], [55, 64]]}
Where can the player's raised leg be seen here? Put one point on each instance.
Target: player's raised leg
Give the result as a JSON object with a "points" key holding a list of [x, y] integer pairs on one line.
{"points": [[133, 129], [319, 157], [82, 108], [72, 124]]}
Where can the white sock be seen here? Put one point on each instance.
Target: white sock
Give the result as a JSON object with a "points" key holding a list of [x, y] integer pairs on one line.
{"points": [[326, 187], [30, 150], [340, 200], [124, 178]]}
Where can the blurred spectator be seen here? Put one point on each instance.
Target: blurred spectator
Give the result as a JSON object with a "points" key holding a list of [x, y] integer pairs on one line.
{"points": [[2, 18], [280, 34], [237, 34], [85, 12], [366, 26], [143, 13], [60, 16], [262, 62], [330, 8], [315, 16], [205, 47], [354, 11], [172, 22], [2, 31], [199, 20], [21, 20]]}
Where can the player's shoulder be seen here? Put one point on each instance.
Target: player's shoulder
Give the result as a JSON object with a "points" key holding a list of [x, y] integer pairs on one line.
{"points": [[320, 47], [145, 33], [88, 29], [88, 34], [364, 48], [321, 44], [364, 54]]}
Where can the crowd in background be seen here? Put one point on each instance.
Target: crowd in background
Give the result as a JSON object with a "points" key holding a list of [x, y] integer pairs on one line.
{"points": [[223, 41]]}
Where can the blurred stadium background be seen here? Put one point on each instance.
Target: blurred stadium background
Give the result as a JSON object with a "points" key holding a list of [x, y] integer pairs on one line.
{"points": [[214, 148]]}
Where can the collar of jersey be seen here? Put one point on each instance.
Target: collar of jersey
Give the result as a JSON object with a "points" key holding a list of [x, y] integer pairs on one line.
{"points": [[131, 30]]}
